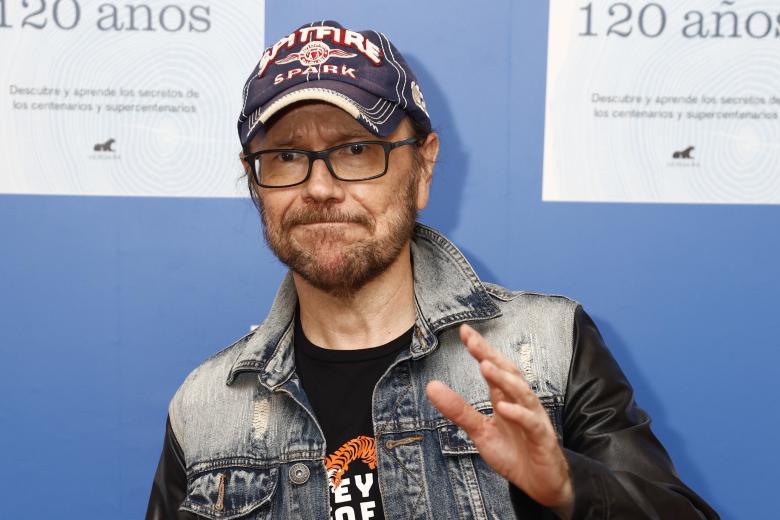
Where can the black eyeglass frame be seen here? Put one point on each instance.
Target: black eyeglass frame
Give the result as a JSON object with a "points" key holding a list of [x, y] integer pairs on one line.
{"points": [[388, 146]]}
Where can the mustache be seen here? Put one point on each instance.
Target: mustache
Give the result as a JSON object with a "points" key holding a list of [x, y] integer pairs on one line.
{"points": [[324, 215]]}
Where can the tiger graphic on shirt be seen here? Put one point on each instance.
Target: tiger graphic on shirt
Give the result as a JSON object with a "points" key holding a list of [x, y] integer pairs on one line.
{"points": [[361, 448]]}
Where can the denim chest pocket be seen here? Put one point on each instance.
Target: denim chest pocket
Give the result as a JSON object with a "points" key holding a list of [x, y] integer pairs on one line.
{"points": [[476, 489], [455, 441], [232, 493]]}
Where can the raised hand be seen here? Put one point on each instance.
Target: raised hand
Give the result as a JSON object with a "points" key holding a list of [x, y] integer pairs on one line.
{"points": [[518, 441]]}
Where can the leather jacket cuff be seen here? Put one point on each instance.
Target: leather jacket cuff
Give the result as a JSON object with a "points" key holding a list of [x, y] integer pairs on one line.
{"points": [[587, 480], [526, 507]]}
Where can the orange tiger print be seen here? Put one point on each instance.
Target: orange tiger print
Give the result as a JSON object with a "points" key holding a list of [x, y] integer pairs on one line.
{"points": [[361, 447]]}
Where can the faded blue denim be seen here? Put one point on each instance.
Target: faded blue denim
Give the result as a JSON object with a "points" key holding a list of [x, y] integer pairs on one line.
{"points": [[247, 429]]}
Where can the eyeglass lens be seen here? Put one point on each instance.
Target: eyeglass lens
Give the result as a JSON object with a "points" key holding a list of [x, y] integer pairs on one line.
{"points": [[353, 161]]}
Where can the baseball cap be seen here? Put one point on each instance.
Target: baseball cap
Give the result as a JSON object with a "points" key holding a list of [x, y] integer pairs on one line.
{"points": [[360, 72]]}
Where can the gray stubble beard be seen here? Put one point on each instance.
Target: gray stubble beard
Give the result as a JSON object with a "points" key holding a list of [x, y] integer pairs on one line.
{"points": [[363, 262]]}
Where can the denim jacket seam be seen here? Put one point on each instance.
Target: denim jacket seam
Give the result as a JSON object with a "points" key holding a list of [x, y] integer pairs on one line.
{"points": [[207, 466], [406, 390], [414, 424], [500, 293], [402, 465]]}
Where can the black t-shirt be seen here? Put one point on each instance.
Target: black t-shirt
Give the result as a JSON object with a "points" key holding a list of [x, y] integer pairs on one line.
{"points": [[340, 384]]}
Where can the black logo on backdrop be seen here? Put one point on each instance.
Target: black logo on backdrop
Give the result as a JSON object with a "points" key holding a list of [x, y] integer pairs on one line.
{"points": [[683, 154], [684, 158], [105, 147], [105, 150]]}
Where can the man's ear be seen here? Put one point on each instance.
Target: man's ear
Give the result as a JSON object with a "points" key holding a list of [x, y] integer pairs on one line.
{"points": [[245, 164], [429, 151]]}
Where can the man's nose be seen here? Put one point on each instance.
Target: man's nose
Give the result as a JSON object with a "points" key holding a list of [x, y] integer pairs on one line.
{"points": [[322, 186]]}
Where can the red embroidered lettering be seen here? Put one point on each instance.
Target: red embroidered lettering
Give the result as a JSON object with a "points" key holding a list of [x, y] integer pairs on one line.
{"points": [[353, 39], [323, 31], [270, 53], [340, 36], [305, 32], [373, 52]]}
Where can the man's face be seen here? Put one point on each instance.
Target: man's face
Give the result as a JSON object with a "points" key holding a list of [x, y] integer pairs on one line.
{"points": [[339, 235]]}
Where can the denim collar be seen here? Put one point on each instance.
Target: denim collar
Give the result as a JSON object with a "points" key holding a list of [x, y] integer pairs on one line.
{"points": [[447, 292]]}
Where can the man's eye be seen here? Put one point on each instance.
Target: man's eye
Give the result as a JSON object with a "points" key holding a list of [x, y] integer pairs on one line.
{"points": [[286, 156], [356, 149]]}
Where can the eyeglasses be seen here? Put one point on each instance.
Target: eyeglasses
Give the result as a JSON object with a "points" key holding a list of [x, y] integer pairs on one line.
{"points": [[358, 161]]}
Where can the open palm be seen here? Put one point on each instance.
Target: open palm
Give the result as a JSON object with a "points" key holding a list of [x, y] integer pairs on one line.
{"points": [[518, 441]]}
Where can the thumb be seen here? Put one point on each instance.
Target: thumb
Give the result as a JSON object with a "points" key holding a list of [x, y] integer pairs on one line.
{"points": [[454, 408]]}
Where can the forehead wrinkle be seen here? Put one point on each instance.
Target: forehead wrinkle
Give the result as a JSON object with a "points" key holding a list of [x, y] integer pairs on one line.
{"points": [[329, 131]]}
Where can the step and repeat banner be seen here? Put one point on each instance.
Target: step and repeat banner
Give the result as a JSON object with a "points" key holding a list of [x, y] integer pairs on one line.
{"points": [[129, 252], [663, 101], [124, 98]]}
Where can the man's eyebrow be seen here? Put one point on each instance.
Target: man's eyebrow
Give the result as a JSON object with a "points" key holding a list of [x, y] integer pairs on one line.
{"points": [[357, 134]]}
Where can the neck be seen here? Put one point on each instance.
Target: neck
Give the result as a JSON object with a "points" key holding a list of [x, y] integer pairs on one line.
{"points": [[377, 313]]}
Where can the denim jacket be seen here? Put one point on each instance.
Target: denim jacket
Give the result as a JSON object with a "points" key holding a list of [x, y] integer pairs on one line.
{"points": [[243, 442]]}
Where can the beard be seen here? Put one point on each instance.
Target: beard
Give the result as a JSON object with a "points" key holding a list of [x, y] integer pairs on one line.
{"points": [[342, 272]]}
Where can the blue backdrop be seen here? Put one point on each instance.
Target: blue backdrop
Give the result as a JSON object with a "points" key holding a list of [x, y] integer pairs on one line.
{"points": [[107, 303]]}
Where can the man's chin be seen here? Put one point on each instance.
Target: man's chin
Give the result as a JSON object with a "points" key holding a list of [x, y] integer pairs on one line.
{"points": [[331, 264], [335, 280], [339, 271]]}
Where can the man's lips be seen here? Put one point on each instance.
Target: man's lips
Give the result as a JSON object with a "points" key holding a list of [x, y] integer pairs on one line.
{"points": [[323, 219], [329, 228], [325, 224], [328, 223]]}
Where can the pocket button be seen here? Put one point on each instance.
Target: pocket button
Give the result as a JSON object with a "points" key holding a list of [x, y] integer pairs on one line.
{"points": [[299, 473]]}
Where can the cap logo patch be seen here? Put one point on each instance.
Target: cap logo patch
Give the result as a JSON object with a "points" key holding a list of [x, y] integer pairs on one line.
{"points": [[315, 53]]}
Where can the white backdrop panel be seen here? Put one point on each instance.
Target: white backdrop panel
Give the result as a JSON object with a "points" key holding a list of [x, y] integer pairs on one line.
{"points": [[667, 101], [124, 98]]}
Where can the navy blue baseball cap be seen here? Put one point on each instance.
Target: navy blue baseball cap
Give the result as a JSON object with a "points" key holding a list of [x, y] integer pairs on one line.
{"points": [[360, 72]]}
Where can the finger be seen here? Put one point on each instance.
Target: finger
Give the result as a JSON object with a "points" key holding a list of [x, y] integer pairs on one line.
{"points": [[481, 350], [536, 426], [454, 408], [496, 395], [510, 384]]}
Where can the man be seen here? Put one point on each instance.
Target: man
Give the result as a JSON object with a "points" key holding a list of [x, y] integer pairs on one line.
{"points": [[388, 381]]}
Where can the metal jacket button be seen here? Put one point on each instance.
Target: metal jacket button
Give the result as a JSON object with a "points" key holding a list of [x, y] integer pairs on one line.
{"points": [[299, 473]]}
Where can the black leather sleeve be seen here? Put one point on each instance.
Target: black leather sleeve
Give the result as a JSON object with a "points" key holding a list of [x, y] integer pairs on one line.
{"points": [[617, 466], [170, 482]]}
